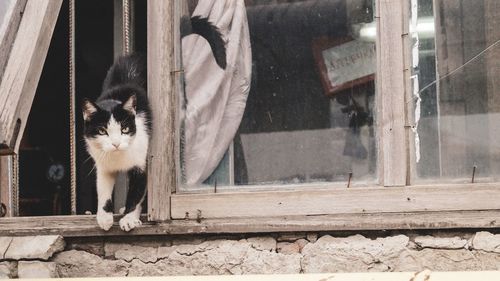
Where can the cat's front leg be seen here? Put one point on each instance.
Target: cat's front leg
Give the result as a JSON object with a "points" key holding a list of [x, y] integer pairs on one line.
{"points": [[136, 194], [105, 184]]}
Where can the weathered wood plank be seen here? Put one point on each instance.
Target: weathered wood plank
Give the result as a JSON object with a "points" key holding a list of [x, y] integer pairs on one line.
{"points": [[378, 106], [79, 226], [162, 167], [24, 68], [5, 185], [337, 201], [8, 31], [391, 92]]}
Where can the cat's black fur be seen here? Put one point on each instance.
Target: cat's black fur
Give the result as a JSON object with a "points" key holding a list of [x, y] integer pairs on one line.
{"points": [[128, 76], [125, 78], [124, 98], [204, 28]]}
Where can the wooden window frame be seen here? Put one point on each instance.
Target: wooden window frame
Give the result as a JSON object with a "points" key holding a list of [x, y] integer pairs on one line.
{"points": [[23, 67], [393, 204], [9, 30]]}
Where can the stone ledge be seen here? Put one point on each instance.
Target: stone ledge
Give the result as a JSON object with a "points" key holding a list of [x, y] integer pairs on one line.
{"points": [[31, 247]]}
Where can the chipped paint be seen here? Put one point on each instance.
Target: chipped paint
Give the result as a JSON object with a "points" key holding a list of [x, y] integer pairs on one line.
{"points": [[415, 62]]}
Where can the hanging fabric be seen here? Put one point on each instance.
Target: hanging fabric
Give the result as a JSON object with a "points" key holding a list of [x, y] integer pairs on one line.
{"points": [[215, 97]]}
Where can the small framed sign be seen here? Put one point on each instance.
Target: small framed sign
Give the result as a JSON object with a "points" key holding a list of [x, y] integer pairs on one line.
{"points": [[344, 63]]}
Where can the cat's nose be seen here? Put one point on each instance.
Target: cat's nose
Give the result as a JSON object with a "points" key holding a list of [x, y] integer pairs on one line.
{"points": [[116, 145]]}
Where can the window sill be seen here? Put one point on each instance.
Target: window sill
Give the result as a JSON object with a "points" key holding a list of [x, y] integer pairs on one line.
{"points": [[370, 200], [80, 226]]}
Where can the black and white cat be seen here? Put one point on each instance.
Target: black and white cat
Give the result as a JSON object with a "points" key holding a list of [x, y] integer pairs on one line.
{"points": [[117, 127]]}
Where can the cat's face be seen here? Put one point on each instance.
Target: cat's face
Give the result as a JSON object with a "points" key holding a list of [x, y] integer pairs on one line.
{"points": [[109, 126]]}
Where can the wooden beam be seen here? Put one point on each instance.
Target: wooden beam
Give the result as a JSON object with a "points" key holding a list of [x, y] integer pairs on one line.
{"points": [[23, 69], [8, 31], [162, 164], [391, 92], [80, 226], [6, 185], [336, 201]]}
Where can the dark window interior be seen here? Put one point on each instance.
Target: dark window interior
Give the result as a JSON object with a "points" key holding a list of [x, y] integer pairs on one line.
{"points": [[286, 94], [46, 137], [45, 144]]}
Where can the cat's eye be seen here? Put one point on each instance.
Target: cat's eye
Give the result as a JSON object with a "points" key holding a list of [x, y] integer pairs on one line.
{"points": [[125, 130], [102, 131]]}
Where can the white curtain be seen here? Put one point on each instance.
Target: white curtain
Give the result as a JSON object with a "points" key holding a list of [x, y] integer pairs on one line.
{"points": [[216, 97]]}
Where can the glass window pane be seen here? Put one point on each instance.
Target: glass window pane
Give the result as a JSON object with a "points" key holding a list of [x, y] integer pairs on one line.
{"points": [[457, 96], [308, 115]]}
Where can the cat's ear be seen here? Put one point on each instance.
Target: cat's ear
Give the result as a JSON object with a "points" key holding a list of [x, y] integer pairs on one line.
{"points": [[88, 109], [130, 104]]}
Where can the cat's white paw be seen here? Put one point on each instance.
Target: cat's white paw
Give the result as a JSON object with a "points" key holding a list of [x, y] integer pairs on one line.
{"points": [[105, 220], [121, 211], [129, 222]]}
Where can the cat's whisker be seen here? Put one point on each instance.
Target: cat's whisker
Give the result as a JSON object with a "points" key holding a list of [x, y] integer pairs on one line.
{"points": [[91, 170], [88, 158], [100, 156]]}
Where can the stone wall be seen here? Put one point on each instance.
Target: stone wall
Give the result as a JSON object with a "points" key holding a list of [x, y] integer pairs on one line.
{"points": [[53, 256]]}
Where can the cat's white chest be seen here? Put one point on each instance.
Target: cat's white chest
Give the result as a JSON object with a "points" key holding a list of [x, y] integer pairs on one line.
{"points": [[123, 161]]}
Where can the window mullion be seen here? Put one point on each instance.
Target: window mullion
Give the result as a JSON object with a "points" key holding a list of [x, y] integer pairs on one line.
{"points": [[391, 92], [6, 186], [162, 163]]}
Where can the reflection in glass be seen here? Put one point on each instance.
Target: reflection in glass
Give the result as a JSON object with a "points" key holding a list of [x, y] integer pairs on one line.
{"points": [[309, 114], [458, 91]]}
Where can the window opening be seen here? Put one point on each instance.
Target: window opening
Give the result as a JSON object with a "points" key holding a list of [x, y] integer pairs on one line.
{"points": [[45, 181]]}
